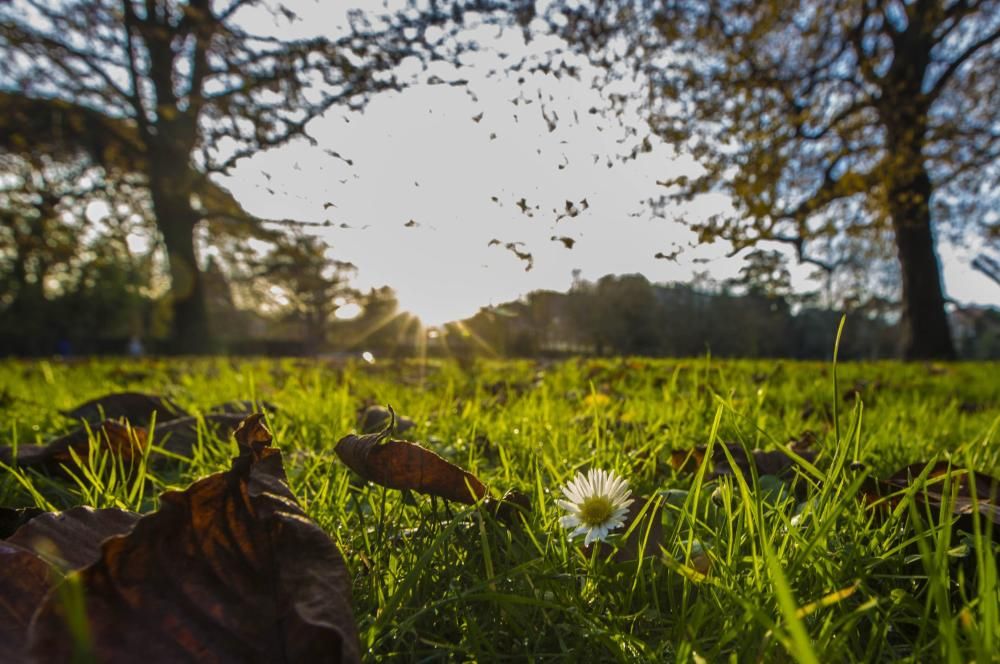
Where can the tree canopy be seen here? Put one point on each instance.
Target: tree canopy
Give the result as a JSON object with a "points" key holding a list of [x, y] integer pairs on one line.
{"points": [[175, 91], [832, 125], [853, 131]]}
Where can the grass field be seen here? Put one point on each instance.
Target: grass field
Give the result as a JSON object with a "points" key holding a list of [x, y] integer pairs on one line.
{"points": [[741, 573]]}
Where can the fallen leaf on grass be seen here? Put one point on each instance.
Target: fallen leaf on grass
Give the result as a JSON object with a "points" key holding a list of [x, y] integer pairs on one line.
{"points": [[12, 518], [767, 462], [940, 476], [71, 539], [25, 579], [123, 441], [987, 488], [509, 506], [177, 436], [398, 464], [230, 569], [36, 558], [699, 559], [181, 435], [136, 407]]}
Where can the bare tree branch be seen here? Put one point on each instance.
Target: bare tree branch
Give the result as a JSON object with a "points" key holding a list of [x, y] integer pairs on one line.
{"points": [[964, 57]]}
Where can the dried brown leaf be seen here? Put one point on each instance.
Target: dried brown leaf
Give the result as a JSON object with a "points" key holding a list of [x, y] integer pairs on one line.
{"points": [[942, 476], [767, 462], [508, 508], [136, 407], [398, 464], [373, 419], [229, 570], [35, 558], [121, 440], [12, 518], [72, 539], [179, 436], [24, 581]]}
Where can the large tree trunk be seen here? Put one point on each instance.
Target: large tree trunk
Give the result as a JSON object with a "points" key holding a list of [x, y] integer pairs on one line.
{"points": [[176, 220], [926, 333], [903, 108]]}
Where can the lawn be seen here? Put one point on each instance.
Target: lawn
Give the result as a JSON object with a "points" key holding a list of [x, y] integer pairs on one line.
{"points": [[744, 567]]}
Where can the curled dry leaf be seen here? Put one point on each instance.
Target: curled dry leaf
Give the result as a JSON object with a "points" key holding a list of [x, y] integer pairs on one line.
{"points": [[229, 570], [123, 441], [136, 407], [72, 539], [986, 488], [12, 518], [25, 579], [398, 464], [36, 557], [177, 436]]}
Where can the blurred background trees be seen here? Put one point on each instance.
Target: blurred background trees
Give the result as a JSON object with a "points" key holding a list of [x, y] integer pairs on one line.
{"points": [[175, 91], [854, 132], [69, 276], [828, 123], [300, 283]]}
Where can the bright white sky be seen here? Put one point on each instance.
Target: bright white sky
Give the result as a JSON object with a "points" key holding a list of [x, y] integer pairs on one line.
{"points": [[420, 155]]}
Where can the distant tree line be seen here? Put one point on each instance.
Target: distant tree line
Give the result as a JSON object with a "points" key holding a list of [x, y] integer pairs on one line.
{"points": [[99, 296], [627, 315]]}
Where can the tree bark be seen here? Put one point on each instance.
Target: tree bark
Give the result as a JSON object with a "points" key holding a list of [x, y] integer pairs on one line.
{"points": [[176, 221], [904, 108], [926, 332]]}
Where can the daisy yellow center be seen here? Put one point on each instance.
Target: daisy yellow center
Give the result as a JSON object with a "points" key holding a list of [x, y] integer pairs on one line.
{"points": [[595, 510]]}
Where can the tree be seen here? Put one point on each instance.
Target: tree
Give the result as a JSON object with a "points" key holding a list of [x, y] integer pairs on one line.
{"points": [[987, 266], [824, 121], [382, 327], [765, 273], [66, 269], [305, 285], [176, 91]]}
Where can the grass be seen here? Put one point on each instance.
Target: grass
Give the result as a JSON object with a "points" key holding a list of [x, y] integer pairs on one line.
{"points": [[745, 573]]}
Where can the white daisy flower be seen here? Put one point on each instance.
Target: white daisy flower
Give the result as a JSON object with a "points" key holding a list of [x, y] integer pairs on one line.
{"points": [[597, 503]]}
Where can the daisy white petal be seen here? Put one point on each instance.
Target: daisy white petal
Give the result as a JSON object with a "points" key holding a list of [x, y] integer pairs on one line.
{"points": [[619, 514], [596, 502], [569, 521]]}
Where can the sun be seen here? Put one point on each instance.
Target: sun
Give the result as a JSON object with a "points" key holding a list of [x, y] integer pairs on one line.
{"points": [[435, 309]]}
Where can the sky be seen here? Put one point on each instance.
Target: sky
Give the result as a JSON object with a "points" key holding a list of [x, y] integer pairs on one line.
{"points": [[425, 194]]}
